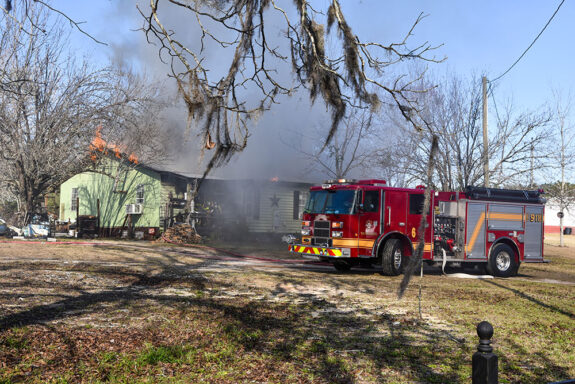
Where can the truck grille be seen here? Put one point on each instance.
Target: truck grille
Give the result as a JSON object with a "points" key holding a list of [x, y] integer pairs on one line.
{"points": [[321, 234], [321, 229]]}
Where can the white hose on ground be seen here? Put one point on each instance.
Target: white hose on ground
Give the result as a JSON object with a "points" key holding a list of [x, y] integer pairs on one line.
{"points": [[460, 275]]}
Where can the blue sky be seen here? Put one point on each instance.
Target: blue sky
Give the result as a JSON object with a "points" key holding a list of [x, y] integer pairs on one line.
{"points": [[475, 37]]}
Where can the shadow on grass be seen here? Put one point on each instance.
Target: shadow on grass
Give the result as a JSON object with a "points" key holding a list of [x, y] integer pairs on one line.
{"points": [[526, 367], [321, 339], [327, 346], [532, 299]]}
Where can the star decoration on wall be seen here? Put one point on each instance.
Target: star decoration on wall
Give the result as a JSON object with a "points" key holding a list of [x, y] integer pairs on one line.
{"points": [[275, 201]]}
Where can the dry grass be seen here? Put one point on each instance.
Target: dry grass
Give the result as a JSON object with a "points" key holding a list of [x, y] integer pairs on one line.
{"points": [[553, 239], [166, 314]]}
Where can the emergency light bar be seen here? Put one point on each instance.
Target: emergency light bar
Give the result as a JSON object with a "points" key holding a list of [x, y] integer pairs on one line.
{"points": [[333, 182], [374, 182], [341, 181]]}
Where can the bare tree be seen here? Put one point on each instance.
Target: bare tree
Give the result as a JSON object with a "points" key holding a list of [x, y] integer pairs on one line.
{"points": [[222, 102], [257, 63], [346, 153], [561, 193], [453, 113], [50, 107], [518, 146]]}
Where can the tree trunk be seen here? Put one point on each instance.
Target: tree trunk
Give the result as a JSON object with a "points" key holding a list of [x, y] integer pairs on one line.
{"points": [[29, 209], [561, 240]]}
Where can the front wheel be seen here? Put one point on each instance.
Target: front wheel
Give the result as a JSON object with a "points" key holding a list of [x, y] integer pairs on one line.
{"points": [[502, 261], [392, 258]]}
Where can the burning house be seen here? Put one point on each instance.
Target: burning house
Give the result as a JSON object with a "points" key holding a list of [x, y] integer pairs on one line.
{"points": [[122, 196]]}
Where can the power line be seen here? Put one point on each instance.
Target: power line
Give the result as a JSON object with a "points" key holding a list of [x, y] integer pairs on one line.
{"points": [[530, 45], [495, 104]]}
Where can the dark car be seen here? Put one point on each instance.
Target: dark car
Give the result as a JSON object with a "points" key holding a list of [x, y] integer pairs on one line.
{"points": [[4, 229]]}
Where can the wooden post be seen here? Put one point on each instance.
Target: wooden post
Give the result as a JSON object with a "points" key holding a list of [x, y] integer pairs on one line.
{"points": [[77, 216], [484, 362], [130, 228], [98, 217]]}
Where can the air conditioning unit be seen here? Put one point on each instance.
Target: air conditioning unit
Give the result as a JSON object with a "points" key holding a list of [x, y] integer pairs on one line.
{"points": [[134, 209]]}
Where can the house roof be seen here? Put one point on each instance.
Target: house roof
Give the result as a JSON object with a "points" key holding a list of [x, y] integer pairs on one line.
{"points": [[116, 152], [188, 175]]}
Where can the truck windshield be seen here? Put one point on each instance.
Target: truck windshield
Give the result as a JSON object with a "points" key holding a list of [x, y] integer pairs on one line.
{"points": [[334, 202]]}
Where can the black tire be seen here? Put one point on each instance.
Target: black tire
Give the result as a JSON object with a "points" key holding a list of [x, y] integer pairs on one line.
{"points": [[342, 266], [502, 261], [392, 258]]}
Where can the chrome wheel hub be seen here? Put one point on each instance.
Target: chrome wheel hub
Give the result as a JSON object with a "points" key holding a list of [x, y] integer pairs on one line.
{"points": [[503, 261], [397, 259]]}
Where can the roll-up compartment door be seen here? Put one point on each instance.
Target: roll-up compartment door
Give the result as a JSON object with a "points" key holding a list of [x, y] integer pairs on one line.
{"points": [[475, 238], [533, 233]]}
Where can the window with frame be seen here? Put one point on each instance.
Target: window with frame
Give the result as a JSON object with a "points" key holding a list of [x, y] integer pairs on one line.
{"points": [[140, 194], [299, 203], [371, 201], [416, 204], [74, 202]]}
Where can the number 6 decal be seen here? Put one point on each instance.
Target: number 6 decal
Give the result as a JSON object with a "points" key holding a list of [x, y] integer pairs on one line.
{"points": [[413, 232]]}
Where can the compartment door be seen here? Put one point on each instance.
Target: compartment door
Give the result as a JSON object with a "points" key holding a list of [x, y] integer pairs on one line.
{"points": [[533, 233], [475, 237]]}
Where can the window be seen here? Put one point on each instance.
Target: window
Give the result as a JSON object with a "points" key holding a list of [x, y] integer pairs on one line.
{"points": [[416, 204], [299, 203], [140, 194], [332, 202], [74, 202], [371, 201], [295, 205]]}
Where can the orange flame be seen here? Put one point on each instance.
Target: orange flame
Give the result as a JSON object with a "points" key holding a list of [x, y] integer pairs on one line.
{"points": [[98, 144], [209, 143]]}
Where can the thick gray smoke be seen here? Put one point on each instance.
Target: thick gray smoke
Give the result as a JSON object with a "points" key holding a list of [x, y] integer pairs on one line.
{"points": [[267, 155]]}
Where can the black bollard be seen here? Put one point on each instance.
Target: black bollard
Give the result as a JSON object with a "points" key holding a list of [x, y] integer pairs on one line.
{"points": [[484, 362]]}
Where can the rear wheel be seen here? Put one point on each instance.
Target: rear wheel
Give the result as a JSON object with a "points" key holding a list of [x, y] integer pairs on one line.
{"points": [[392, 258], [502, 261]]}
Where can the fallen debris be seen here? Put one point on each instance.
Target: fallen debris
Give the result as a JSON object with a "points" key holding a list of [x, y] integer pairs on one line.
{"points": [[181, 234]]}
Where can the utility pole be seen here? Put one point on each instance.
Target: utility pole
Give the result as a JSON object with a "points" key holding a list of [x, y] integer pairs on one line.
{"points": [[485, 141]]}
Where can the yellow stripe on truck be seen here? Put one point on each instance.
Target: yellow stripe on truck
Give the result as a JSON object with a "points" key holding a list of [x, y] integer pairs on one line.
{"points": [[426, 246], [352, 243], [476, 231], [505, 216], [317, 251]]}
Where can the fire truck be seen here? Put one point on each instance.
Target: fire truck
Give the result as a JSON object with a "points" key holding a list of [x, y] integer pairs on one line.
{"points": [[365, 222]]}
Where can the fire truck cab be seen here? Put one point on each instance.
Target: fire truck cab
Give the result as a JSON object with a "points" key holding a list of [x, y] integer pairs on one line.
{"points": [[349, 222]]}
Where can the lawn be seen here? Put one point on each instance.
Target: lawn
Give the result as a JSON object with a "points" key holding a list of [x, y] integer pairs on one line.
{"points": [[118, 313]]}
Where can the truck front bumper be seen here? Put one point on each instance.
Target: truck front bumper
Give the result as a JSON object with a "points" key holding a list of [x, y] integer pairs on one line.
{"points": [[308, 250]]}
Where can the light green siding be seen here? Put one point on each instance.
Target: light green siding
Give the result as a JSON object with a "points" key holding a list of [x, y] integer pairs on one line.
{"points": [[263, 206], [114, 188]]}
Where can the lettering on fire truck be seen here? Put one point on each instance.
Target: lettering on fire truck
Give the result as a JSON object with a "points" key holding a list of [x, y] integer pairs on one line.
{"points": [[349, 223]]}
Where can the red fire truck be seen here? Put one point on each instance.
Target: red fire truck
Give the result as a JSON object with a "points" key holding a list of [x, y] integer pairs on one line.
{"points": [[348, 222]]}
